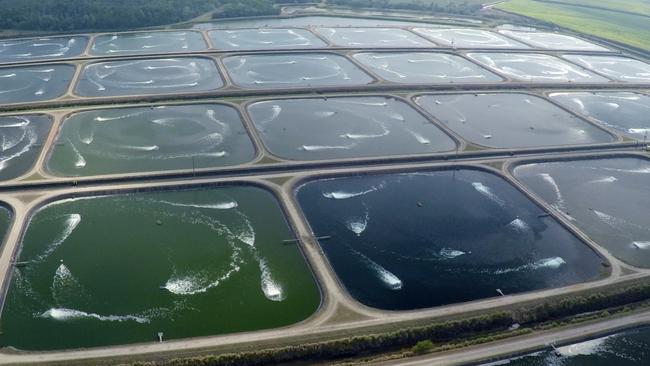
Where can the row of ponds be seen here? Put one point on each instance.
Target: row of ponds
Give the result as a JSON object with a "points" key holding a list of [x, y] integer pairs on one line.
{"points": [[107, 269], [195, 136], [188, 41], [164, 76], [111, 269]]}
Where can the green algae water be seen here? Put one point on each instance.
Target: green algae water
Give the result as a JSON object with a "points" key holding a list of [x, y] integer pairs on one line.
{"points": [[5, 220], [119, 269], [124, 140]]}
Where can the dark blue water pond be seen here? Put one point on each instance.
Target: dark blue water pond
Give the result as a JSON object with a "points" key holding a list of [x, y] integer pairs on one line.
{"points": [[416, 240], [608, 199], [629, 348]]}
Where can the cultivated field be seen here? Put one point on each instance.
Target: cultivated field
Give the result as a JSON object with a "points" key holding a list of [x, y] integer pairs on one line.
{"points": [[614, 20]]}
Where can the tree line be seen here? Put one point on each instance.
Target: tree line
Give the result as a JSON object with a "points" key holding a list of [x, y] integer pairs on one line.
{"points": [[57, 15], [452, 7], [482, 328], [103, 15]]}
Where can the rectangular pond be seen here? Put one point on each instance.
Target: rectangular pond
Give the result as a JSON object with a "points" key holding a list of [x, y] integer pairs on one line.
{"points": [[615, 67], [21, 142], [535, 67], [147, 43], [468, 38], [34, 83], [143, 139], [30, 49], [627, 348], [294, 70], [425, 68], [118, 269], [417, 240], [148, 76], [373, 37], [606, 198], [553, 41], [510, 120], [345, 127], [264, 39], [625, 112]]}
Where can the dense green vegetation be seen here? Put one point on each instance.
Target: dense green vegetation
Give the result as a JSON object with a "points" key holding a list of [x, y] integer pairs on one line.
{"points": [[56, 15], [93, 15], [431, 6], [631, 6], [617, 24], [354, 346], [246, 8], [441, 336]]}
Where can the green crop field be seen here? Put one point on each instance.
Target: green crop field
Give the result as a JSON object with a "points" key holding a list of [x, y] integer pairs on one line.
{"points": [[617, 24], [631, 6]]}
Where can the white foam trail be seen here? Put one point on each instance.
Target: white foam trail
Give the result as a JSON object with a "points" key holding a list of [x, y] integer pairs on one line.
{"points": [[641, 244], [388, 278], [63, 314], [210, 114], [551, 263], [215, 206], [272, 289], [218, 154], [214, 138], [187, 285], [633, 171], [325, 147], [421, 139], [8, 143], [104, 119], [364, 136], [70, 224], [375, 104], [358, 224], [618, 223], [519, 225], [63, 272], [636, 171], [583, 348], [324, 114], [81, 162], [165, 121], [487, 192], [638, 130], [31, 140], [396, 116], [246, 233], [88, 139], [341, 195], [199, 283], [65, 287], [276, 110], [24, 286], [22, 123], [605, 217], [141, 148], [558, 194], [605, 180], [449, 253]]}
